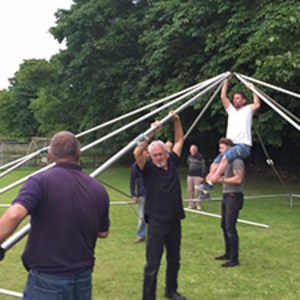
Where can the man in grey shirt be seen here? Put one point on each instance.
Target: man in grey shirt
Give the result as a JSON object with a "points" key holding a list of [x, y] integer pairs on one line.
{"points": [[233, 199]]}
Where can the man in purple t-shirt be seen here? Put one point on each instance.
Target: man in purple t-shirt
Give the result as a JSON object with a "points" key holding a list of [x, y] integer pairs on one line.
{"points": [[68, 210]]}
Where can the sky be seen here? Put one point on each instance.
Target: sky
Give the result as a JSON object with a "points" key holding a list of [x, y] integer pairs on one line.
{"points": [[24, 33]]}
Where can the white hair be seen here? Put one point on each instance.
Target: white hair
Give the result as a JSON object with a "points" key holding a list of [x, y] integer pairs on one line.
{"points": [[155, 143]]}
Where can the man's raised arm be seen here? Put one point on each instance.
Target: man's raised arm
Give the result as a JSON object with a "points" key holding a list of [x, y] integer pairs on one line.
{"points": [[179, 138], [256, 101], [226, 102], [139, 153]]}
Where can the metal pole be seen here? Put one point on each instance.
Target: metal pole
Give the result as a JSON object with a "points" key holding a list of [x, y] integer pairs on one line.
{"points": [[196, 86], [25, 230], [202, 111], [133, 143], [104, 138], [27, 158], [10, 293], [13, 240], [271, 86], [253, 89], [149, 106], [218, 216]]}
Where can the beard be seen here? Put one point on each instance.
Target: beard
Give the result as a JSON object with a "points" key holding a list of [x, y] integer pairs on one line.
{"points": [[238, 105], [160, 165]]}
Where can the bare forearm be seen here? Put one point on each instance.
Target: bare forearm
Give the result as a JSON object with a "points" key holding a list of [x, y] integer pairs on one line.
{"points": [[178, 137], [11, 220]]}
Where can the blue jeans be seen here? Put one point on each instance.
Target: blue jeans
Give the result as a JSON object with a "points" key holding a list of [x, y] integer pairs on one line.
{"points": [[142, 226], [43, 286], [239, 150]]}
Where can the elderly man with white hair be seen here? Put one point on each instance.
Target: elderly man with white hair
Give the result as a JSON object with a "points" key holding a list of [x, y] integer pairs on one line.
{"points": [[163, 211]]}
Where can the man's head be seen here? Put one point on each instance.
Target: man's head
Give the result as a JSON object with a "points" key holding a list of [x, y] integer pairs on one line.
{"points": [[159, 153], [193, 149], [239, 100], [64, 147], [225, 144]]}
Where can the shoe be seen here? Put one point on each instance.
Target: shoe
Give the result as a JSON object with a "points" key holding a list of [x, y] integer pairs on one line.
{"points": [[222, 257], [139, 239], [204, 196], [198, 207], [230, 263], [174, 296], [191, 207], [205, 187]]}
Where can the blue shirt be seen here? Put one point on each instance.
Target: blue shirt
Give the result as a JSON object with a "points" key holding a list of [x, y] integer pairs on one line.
{"points": [[68, 208]]}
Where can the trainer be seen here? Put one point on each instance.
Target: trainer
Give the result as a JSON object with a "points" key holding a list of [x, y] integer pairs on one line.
{"points": [[163, 211], [68, 210]]}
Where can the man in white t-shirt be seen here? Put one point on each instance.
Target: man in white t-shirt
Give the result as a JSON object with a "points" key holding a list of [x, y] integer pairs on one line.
{"points": [[238, 130]]}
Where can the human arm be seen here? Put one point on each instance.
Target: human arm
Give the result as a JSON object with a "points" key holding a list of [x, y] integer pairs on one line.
{"points": [[237, 178], [256, 101], [226, 102], [133, 178], [178, 138], [139, 151], [102, 235], [10, 221]]}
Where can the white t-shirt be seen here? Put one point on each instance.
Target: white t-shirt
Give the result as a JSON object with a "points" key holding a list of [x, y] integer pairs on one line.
{"points": [[239, 125]]}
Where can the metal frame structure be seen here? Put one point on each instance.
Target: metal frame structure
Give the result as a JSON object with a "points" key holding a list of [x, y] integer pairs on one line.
{"points": [[196, 92]]}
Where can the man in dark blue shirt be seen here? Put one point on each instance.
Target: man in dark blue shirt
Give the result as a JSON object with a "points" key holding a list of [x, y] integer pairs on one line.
{"points": [[163, 211], [138, 196], [68, 210]]}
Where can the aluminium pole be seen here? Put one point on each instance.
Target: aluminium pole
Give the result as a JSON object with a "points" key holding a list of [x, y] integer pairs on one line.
{"points": [[271, 86], [25, 230], [121, 117], [149, 105], [104, 138], [142, 137], [261, 96], [10, 293], [219, 216], [202, 111]]}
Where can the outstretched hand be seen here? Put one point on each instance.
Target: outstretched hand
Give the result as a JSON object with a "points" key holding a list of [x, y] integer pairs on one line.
{"points": [[249, 85], [228, 75], [175, 116]]}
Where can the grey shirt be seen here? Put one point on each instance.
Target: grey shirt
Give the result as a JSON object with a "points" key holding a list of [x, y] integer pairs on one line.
{"points": [[237, 164]]}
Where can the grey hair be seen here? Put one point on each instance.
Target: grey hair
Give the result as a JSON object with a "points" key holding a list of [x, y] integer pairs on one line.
{"points": [[157, 142], [64, 144]]}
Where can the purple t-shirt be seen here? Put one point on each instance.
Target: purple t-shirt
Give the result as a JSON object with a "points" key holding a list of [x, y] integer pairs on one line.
{"points": [[68, 208]]}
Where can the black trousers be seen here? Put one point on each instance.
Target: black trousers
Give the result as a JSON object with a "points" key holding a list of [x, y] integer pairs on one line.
{"points": [[231, 205], [160, 235]]}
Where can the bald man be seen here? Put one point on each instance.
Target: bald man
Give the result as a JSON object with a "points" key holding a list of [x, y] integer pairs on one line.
{"points": [[68, 210]]}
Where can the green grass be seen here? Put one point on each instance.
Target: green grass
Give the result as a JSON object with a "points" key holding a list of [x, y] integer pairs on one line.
{"points": [[269, 257]]}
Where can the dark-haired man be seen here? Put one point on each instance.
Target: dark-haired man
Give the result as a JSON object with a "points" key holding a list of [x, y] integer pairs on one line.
{"points": [[233, 199], [68, 210], [238, 130]]}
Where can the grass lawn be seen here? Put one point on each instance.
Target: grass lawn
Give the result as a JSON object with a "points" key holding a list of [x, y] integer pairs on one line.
{"points": [[270, 264]]}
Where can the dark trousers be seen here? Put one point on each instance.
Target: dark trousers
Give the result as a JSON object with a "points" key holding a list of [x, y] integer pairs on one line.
{"points": [[231, 205], [160, 235]]}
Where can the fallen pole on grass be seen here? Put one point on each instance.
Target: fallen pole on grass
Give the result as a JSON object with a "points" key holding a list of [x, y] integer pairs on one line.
{"points": [[219, 216], [10, 293]]}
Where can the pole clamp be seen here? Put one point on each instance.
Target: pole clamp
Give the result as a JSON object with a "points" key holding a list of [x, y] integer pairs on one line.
{"points": [[141, 138]]}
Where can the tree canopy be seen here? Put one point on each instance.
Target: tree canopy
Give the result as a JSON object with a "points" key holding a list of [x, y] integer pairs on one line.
{"points": [[124, 54]]}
